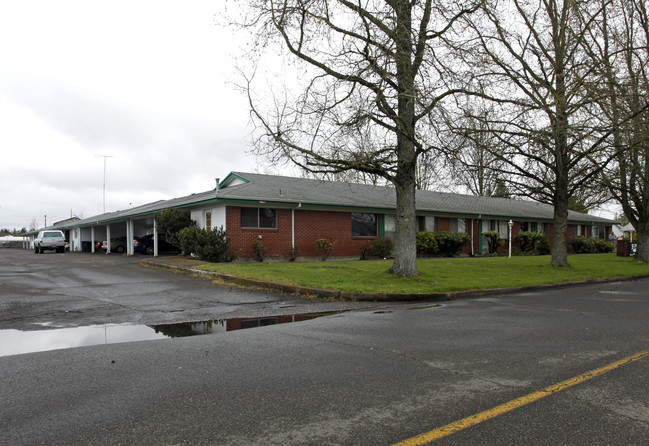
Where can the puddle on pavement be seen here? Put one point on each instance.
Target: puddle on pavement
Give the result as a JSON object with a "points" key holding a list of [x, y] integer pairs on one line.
{"points": [[14, 342]]}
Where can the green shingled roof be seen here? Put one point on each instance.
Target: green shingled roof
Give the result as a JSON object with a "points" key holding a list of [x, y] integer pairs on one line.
{"points": [[253, 188], [280, 189]]}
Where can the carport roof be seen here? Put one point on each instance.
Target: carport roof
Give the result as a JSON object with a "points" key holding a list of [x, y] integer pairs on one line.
{"points": [[254, 189]]}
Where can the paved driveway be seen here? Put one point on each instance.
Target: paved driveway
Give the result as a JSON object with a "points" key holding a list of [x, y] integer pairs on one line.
{"points": [[72, 289], [372, 377]]}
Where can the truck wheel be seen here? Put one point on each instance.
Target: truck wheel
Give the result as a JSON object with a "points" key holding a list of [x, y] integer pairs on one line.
{"points": [[36, 250], [148, 250], [42, 250]]}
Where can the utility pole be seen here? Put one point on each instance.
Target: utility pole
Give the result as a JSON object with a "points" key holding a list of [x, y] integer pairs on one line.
{"points": [[104, 188]]}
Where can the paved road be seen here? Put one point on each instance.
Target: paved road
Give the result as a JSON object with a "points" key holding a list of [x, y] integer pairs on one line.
{"points": [[370, 377]]}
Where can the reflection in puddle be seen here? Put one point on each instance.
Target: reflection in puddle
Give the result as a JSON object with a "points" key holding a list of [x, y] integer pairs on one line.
{"points": [[14, 342]]}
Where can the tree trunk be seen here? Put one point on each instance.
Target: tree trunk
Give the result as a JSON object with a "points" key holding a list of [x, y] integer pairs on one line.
{"points": [[405, 235], [562, 160], [405, 180], [642, 250], [560, 245]]}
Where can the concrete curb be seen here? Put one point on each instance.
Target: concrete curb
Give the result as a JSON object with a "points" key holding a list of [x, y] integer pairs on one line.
{"points": [[374, 297]]}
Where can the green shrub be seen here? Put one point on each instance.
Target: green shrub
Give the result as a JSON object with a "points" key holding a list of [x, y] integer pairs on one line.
{"points": [[532, 242], [541, 245], [325, 246], [171, 221], [381, 247], [585, 245], [603, 246], [260, 250], [493, 241], [209, 245], [451, 243], [426, 243], [292, 254], [582, 245], [525, 240]]}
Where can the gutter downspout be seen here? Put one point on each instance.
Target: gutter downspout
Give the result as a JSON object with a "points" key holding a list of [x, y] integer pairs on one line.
{"points": [[472, 241], [299, 205]]}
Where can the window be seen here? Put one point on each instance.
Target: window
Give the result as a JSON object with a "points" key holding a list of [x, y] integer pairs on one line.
{"points": [[364, 225], [259, 218], [595, 232], [524, 226], [208, 219], [503, 228], [424, 223], [421, 223]]}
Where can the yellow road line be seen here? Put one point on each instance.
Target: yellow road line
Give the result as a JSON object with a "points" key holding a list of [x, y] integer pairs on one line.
{"points": [[464, 423]]}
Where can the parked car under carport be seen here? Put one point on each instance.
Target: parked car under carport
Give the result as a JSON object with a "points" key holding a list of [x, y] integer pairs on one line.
{"points": [[117, 244], [144, 245]]}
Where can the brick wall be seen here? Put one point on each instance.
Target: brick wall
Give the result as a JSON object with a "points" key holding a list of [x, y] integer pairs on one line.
{"points": [[309, 226], [335, 226], [442, 224]]}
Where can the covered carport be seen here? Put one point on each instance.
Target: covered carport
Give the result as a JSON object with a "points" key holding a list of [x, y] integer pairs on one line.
{"points": [[126, 225], [118, 228]]}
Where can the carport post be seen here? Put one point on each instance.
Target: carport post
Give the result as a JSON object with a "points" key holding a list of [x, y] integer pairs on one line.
{"points": [[129, 237], [108, 238], [155, 238]]}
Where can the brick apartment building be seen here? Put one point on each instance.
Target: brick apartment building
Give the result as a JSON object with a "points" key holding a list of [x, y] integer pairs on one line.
{"points": [[284, 212]]}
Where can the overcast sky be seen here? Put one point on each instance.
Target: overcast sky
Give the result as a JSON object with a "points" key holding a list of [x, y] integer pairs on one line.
{"points": [[144, 82]]}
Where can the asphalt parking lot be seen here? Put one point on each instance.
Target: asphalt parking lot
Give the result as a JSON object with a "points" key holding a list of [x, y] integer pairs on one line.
{"points": [[73, 289], [368, 376]]}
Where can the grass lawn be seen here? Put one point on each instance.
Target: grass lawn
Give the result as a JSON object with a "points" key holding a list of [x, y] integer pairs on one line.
{"points": [[436, 275]]}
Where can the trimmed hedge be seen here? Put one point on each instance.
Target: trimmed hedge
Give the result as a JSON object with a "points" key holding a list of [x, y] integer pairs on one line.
{"points": [[536, 242], [209, 245], [381, 247], [426, 243], [450, 244], [586, 245]]}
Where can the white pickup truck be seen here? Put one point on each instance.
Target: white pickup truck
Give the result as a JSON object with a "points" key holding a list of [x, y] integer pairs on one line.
{"points": [[51, 240]]}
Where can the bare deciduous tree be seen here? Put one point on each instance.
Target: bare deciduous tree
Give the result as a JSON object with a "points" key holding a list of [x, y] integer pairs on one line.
{"points": [[534, 60], [624, 51], [474, 154], [372, 73]]}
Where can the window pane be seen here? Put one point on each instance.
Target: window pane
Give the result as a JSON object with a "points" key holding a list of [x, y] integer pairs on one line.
{"points": [[363, 225], [267, 218], [421, 223], [249, 217]]}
